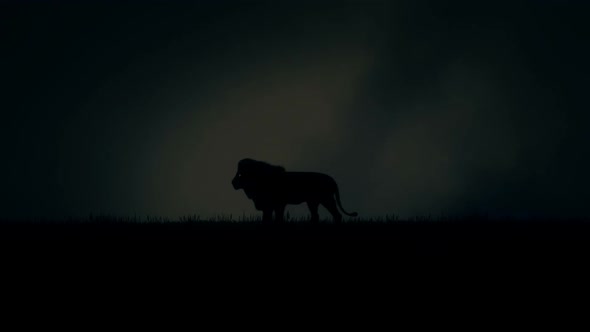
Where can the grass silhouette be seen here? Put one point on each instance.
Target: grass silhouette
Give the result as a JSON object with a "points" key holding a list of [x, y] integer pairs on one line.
{"points": [[474, 236]]}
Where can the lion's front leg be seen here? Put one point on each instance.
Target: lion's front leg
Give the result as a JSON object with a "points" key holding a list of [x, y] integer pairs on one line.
{"points": [[267, 216], [279, 213]]}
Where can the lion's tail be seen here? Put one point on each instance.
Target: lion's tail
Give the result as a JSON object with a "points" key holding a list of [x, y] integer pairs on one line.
{"points": [[353, 214]]}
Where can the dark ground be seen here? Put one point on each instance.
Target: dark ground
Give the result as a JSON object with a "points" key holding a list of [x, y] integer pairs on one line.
{"points": [[387, 262], [444, 239]]}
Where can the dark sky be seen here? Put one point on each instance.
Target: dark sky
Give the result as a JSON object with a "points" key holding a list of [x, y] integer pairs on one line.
{"points": [[414, 107]]}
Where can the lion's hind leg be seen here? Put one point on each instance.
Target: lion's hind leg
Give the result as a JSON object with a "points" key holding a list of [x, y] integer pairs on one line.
{"points": [[330, 205], [313, 209]]}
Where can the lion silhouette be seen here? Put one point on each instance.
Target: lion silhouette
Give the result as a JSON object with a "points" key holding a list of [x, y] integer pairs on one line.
{"points": [[272, 189]]}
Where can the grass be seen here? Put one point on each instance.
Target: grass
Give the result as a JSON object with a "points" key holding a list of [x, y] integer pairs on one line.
{"points": [[228, 252], [425, 236]]}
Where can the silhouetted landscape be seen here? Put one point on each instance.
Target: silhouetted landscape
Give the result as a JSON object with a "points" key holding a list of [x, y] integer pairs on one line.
{"points": [[473, 237], [128, 109]]}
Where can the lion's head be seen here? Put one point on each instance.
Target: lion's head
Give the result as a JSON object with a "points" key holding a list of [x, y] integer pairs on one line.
{"points": [[252, 172]]}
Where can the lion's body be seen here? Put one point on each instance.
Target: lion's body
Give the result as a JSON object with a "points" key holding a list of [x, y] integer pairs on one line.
{"points": [[272, 188], [297, 188]]}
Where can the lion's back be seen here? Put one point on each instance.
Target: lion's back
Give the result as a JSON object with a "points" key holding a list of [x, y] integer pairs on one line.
{"points": [[302, 185], [307, 178]]}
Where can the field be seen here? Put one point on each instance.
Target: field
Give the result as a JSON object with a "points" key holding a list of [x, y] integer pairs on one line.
{"points": [[464, 238]]}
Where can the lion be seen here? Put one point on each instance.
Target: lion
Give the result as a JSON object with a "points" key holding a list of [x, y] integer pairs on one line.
{"points": [[272, 189]]}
